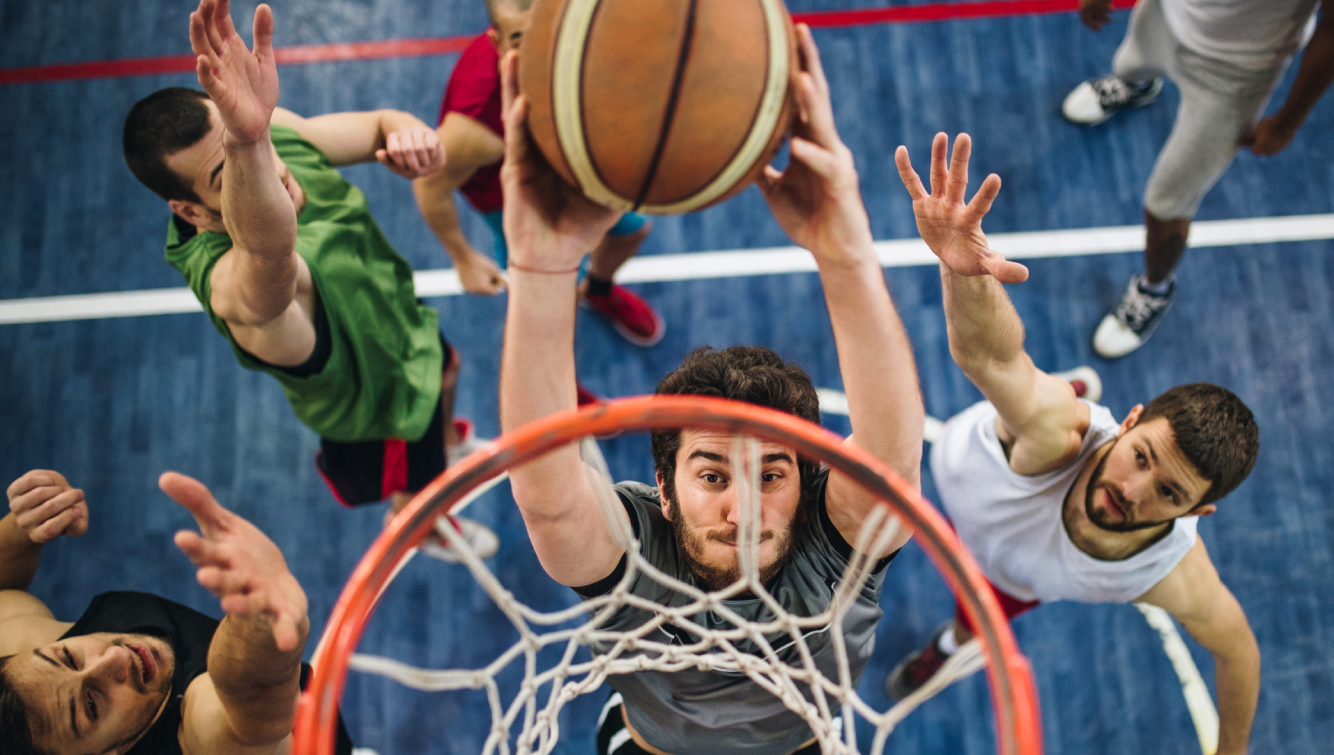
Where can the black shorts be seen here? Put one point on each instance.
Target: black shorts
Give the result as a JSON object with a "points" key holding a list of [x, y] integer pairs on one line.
{"points": [[614, 738], [365, 472]]}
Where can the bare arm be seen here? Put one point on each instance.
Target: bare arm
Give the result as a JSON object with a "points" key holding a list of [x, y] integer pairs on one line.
{"points": [[1040, 419], [43, 506], [549, 228], [400, 141], [1273, 134], [246, 703], [470, 146], [1197, 598], [818, 202]]}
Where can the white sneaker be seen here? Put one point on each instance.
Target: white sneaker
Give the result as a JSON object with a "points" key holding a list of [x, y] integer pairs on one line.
{"points": [[1096, 100], [1085, 381], [468, 442], [478, 536], [1127, 327]]}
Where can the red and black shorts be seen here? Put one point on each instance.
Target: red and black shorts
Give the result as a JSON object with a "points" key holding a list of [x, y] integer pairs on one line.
{"points": [[365, 472]]}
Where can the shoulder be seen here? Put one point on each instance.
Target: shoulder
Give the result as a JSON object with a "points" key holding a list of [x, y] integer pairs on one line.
{"points": [[26, 622], [1190, 588], [474, 85]]}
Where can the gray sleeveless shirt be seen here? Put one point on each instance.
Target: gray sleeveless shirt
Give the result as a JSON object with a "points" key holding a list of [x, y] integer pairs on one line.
{"points": [[692, 711]]}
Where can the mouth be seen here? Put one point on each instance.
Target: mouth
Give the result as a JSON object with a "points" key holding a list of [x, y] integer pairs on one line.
{"points": [[1113, 506], [147, 665]]}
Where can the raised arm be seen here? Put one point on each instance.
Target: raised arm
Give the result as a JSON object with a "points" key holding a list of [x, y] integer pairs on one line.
{"points": [[549, 227], [817, 201], [470, 146], [397, 140], [1041, 421], [246, 703], [1208, 611], [1273, 134], [42, 507]]}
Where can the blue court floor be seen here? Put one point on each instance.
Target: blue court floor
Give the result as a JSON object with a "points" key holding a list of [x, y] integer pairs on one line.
{"points": [[112, 403]]}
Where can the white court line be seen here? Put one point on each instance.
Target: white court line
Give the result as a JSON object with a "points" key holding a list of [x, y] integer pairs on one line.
{"points": [[731, 264]]}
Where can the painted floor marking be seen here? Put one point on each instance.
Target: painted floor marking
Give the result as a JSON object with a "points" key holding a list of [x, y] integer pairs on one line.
{"points": [[731, 264]]}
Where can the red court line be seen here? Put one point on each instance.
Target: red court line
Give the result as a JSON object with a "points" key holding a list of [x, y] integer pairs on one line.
{"points": [[408, 48]]}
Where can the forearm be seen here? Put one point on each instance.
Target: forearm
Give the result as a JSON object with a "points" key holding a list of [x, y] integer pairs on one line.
{"points": [[256, 207], [877, 365], [256, 683], [1237, 676], [1313, 76], [983, 327], [19, 556], [435, 199]]}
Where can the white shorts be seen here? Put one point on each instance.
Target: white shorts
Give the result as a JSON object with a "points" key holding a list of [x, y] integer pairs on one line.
{"points": [[1219, 104]]}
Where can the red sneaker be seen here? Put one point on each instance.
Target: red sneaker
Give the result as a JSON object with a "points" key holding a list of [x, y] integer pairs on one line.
{"points": [[632, 317], [585, 396], [1085, 381], [917, 669]]}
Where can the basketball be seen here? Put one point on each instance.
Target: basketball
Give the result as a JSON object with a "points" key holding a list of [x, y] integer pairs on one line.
{"points": [[660, 106]]}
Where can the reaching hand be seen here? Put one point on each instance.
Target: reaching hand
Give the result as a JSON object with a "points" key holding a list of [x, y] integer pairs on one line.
{"points": [[816, 199], [549, 225], [242, 84], [46, 507], [951, 228], [1095, 13], [480, 275], [412, 152], [1268, 137], [239, 564]]}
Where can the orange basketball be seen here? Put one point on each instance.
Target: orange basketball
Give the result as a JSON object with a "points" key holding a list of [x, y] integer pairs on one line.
{"points": [[662, 106]]}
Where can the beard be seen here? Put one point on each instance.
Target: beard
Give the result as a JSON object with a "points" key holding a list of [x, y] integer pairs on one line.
{"points": [[691, 542], [1102, 518]]}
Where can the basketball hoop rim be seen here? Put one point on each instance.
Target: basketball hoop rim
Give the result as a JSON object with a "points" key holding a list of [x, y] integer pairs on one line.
{"points": [[1014, 696]]}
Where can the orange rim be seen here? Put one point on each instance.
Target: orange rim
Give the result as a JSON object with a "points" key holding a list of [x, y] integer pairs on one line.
{"points": [[1018, 726]]}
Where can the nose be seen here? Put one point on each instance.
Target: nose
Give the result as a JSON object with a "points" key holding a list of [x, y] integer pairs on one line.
{"points": [[113, 665]]}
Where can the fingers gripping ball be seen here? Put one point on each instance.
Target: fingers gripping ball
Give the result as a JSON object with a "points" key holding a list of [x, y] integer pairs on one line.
{"points": [[664, 106]]}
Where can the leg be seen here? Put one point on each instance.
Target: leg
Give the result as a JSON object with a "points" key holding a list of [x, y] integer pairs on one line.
{"points": [[632, 317], [1164, 243], [1138, 66], [614, 251], [449, 381]]}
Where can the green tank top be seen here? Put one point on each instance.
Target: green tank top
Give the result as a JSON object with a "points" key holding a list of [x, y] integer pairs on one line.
{"points": [[382, 378]]}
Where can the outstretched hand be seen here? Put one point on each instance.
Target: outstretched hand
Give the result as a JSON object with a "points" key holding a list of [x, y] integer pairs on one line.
{"points": [[243, 85], [412, 152], [816, 199], [549, 225], [239, 564], [951, 228], [45, 506]]}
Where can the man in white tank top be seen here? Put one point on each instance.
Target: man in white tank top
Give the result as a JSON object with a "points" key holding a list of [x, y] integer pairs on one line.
{"points": [[1055, 498], [1226, 57]]}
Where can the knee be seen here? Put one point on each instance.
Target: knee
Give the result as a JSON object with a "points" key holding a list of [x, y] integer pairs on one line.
{"points": [[450, 376]]}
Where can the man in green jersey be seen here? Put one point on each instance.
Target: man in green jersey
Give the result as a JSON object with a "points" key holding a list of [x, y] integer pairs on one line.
{"points": [[287, 261]]}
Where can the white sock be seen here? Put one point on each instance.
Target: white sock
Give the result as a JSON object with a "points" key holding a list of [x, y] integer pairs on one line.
{"points": [[1159, 288], [947, 643]]}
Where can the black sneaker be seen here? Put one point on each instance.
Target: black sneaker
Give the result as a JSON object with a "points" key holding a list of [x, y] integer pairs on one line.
{"points": [[1127, 327], [918, 668], [1096, 100]]}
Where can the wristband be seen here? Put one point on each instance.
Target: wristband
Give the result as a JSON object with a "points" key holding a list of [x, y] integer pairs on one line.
{"points": [[527, 269]]}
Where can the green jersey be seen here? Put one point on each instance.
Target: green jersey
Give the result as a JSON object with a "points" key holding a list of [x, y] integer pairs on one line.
{"points": [[382, 377]]}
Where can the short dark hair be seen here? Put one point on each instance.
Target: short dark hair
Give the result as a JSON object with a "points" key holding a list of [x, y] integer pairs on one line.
{"points": [[493, 5], [1214, 430], [15, 726], [754, 374], [161, 124]]}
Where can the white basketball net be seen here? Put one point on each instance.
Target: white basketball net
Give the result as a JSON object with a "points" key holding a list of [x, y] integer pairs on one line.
{"points": [[829, 709]]}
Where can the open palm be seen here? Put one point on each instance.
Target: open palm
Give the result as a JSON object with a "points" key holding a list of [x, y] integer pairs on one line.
{"points": [[243, 84], [950, 227]]}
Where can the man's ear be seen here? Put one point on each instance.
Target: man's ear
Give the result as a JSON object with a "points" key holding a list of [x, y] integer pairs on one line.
{"points": [[191, 212], [1205, 510], [1131, 419], [662, 497], [493, 34]]}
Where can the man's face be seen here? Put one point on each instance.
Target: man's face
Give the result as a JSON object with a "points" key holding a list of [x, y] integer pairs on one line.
{"points": [[706, 513], [1144, 481], [507, 29], [93, 694], [201, 164]]}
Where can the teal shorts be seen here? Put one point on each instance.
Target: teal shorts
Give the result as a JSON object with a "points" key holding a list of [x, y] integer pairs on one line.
{"points": [[629, 223]]}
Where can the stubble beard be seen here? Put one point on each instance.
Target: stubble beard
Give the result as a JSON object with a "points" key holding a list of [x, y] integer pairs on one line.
{"points": [[1101, 518], [690, 544]]}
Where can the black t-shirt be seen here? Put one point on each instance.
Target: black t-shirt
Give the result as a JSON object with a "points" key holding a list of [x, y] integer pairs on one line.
{"points": [[189, 633]]}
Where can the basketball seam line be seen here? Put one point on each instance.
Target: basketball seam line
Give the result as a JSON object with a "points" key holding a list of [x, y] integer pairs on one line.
{"points": [[687, 41]]}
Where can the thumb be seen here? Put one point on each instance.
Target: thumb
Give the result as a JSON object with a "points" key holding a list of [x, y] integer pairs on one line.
{"points": [[1005, 271], [195, 498]]}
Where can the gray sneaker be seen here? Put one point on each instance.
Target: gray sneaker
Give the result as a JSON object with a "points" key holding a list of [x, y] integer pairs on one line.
{"points": [[1096, 100], [1127, 327]]}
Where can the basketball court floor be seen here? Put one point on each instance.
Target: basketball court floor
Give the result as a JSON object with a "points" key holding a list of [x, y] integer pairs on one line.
{"points": [[112, 401]]}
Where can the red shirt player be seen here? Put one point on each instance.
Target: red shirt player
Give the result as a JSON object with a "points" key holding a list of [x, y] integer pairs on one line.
{"points": [[472, 131]]}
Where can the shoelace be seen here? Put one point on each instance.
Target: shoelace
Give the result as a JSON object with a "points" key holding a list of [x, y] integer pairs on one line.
{"points": [[1113, 91], [1137, 308]]}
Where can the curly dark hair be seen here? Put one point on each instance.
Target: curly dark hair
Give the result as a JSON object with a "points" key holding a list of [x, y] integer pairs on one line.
{"points": [[15, 726], [161, 124], [1214, 430], [754, 374]]}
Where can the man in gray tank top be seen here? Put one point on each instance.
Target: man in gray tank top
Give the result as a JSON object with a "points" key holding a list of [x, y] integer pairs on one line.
{"points": [[688, 523], [1058, 500]]}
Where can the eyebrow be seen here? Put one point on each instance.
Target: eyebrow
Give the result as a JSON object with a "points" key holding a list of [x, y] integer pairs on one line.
{"points": [[73, 714], [213, 176], [1170, 483], [765, 459]]}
